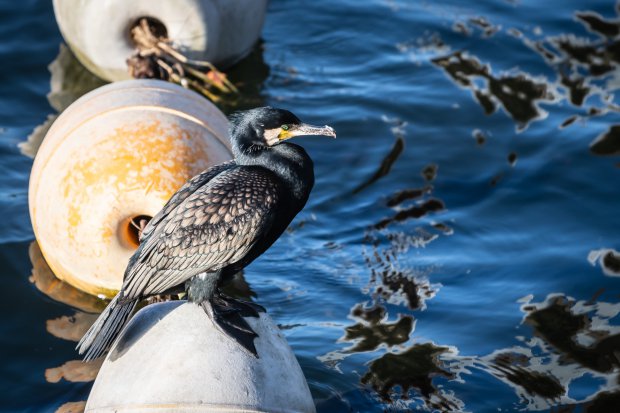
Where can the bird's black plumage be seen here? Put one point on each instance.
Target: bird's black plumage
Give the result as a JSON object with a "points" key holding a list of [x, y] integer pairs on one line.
{"points": [[216, 224]]}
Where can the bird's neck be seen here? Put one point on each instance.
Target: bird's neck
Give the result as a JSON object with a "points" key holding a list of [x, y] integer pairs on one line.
{"points": [[289, 162]]}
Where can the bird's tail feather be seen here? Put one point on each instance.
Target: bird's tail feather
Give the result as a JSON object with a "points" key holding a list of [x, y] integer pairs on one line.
{"points": [[102, 333]]}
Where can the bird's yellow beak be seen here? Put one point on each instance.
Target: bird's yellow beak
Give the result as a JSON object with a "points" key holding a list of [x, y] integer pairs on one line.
{"points": [[306, 130]]}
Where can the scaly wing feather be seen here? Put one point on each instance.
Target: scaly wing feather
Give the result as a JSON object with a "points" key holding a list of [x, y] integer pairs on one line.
{"points": [[214, 227], [186, 190]]}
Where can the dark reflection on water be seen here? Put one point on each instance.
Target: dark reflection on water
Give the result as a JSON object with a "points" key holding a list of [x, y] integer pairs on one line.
{"points": [[563, 325], [582, 67], [406, 194], [415, 211], [426, 205], [597, 24], [395, 374], [392, 283], [488, 29], [578, 341], [512, 158], [571, 340], [414, 369], [248, 76], [479, 136], [518, 95], [513, 367], [608, 143], [608, 259], [371, 331], [386, 164]]}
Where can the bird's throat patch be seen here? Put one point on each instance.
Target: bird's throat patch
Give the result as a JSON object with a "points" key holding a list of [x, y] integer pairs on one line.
{"points": [[272, 136]]}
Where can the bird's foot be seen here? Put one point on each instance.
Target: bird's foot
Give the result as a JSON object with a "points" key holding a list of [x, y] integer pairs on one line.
{"points": [[227, 314], [244, 308]]}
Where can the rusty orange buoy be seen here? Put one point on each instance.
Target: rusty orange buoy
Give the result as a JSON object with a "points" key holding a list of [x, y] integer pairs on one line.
{"points": [[113, 158]]}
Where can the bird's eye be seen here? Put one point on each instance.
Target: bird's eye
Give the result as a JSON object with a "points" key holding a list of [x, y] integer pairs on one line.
{"points": [[284, 127]]}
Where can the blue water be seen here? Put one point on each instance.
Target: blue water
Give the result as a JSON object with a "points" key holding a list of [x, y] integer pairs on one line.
{"points": [[477, 295]]}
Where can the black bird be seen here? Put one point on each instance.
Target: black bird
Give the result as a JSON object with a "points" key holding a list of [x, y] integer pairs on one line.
{"points": [[216, 224]]}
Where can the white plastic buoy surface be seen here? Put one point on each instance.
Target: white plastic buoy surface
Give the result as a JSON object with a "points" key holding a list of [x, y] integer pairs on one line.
{"points": [[171, 358], [117, 153], [98, 32]]}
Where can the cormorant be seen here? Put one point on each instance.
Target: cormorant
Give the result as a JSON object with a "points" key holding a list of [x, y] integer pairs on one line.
{"points": [[216, 224]]}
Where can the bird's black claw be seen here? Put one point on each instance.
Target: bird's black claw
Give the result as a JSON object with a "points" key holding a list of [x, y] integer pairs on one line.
{"points": [[227, 314], [244, 308]]}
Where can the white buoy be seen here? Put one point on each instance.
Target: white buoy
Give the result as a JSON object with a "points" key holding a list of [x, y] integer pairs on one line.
{"points": [[98, 32], [115, 156], [171, 358]]}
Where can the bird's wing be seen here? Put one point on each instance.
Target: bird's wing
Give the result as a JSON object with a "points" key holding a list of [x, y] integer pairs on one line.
{"points": [[215, 226], [186, 190]]}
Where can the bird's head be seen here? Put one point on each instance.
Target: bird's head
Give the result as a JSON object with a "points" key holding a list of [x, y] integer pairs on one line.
{"points": [[267, 127]]}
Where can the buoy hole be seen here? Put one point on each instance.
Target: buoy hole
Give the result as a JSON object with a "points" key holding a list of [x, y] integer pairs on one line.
{"points": [[133, 228], [155, 26]]}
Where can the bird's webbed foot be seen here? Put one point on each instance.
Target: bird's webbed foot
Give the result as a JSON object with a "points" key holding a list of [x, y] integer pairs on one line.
{"points": [[227, 314]]}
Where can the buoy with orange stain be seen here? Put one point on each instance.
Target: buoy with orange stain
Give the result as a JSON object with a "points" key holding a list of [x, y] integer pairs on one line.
{"points": [[112, 158]]}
